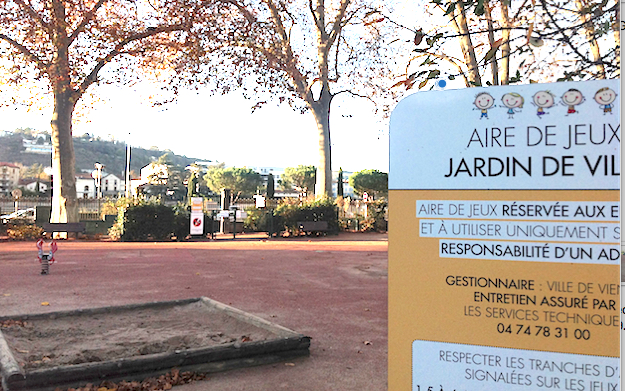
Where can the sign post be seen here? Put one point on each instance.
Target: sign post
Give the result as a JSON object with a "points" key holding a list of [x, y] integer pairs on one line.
{"points": [[504, 239]]}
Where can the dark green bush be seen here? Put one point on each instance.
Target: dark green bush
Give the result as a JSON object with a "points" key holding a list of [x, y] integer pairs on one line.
{"points": [[147, 220]]}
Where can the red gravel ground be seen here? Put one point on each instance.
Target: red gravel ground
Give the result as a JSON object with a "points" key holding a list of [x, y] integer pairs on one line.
{"points": [[332, 289]]}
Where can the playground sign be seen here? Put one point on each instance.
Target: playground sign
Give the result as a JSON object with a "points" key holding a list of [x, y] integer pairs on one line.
{"points": [[504, 242]]}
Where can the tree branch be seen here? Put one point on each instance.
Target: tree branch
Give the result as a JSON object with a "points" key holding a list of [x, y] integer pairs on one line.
{"points": [[352, 93], [33, 14], [88, 18], [338, 22], [24, 50], [314, 15], [275, 15], [244, 11], [565, 37], [93, 75], [336, 60], [289, 64]]}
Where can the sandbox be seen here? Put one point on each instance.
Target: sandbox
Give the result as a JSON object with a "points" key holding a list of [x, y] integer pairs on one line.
{"points": [[132, 342]]}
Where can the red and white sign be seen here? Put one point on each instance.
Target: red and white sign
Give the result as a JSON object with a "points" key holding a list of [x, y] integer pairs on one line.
{"points": [[197, 216]]}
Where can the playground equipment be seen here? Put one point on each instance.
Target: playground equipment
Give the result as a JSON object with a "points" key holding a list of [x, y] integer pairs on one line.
{"points": [[46, 259]]}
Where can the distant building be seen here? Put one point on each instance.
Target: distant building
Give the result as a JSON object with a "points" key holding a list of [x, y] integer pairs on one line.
{"points": [[264, 172], [9, 177], [85, 186], [31, 185], [40, 145], [154, 172], [112, 185]]}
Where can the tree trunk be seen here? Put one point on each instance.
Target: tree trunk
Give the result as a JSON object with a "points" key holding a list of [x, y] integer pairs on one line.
{"points": [[617, 37], [491, 39], [590, 35], [64, 202], [321, 112], [321, 107], [459, 18], [505, 45]]}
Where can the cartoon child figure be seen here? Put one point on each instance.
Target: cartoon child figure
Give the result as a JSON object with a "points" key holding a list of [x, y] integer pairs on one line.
{"points": [[543, 100], [512, 101], [605, 97], [483, 102], [572, 98]]}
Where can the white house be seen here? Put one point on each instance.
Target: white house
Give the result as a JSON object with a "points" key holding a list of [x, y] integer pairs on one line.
{"points": [[31, 184], [112, 185], [85, 186]]}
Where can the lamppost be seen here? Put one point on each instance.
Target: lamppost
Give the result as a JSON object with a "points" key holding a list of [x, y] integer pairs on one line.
{"points": [[127, 168], [98, 178]]}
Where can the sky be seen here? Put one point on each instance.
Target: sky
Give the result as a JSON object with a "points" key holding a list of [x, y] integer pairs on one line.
{"points": [[222, 128]]}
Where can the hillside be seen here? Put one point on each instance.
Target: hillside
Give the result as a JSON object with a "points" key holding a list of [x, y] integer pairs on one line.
{"points": [[88, 150]]}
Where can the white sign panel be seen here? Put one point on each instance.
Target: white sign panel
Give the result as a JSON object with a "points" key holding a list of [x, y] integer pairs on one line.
{"points": [[197, 224], [537, 136], [461, 367]]}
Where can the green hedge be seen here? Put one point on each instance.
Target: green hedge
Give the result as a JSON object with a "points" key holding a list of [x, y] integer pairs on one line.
{"points": [[149, 221]]}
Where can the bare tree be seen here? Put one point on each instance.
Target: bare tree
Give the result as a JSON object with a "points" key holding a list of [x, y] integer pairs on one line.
{"points": [[545, 40], [305, 53]]}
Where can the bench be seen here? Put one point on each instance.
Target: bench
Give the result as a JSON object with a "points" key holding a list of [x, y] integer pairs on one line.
{"points": [[313, 226], [64, 227]]}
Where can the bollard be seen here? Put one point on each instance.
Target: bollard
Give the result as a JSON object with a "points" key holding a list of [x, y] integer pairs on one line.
{"points": [[46, 259]]}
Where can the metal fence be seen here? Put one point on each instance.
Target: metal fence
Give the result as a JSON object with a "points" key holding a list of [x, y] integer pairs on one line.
{"points": [[8, 204], [350, 209], [85, 205], [93, 205]]}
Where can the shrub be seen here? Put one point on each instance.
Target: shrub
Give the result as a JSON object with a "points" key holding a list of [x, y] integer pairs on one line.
{"points": [[122, 204], [148, 222], [262, 220], [181, 225], [376, 217], [288, 214], [375, 221], [23, 232]]}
